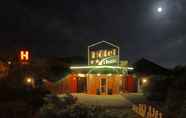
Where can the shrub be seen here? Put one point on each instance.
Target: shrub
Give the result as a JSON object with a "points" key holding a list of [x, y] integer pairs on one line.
{"points": [[66, 107], [176, 98], [156, 90]]}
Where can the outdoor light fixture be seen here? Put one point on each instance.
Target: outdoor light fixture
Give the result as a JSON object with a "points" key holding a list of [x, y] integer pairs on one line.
{"points": [[110, 74], [81, 75], [130, 68], [144, 80], [9, 62], [29, 80], [98, 74], [44, 80]]}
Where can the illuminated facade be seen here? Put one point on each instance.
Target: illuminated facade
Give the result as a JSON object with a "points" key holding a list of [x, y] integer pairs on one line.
{"points": [[104, 74]]}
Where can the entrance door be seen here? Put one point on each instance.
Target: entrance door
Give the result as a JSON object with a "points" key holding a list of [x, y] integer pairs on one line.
{"points": [[103, 86], [81, 85]]}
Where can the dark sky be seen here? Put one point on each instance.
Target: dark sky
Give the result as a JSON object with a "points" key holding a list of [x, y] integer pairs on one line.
{"points": [[67, 27]]}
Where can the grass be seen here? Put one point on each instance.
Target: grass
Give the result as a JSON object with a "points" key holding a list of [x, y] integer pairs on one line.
{"points": [[102, 100], [135, 98]]}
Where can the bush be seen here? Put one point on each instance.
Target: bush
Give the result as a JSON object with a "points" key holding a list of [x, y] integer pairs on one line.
{"points": [[156, 90], [176, 98], [183, 110], [66, 107]]}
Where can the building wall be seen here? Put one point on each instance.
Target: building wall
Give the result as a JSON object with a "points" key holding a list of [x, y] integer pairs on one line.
{"points": [[93, 82], [69, 84], [72, 82], [130, 84]]}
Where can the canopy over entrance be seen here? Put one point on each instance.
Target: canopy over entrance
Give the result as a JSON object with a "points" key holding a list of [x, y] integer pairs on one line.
{"points": [[101, 69]]}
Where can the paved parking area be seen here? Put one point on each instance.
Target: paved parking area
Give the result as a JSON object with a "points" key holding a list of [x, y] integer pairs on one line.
{"points": [[103, 100]]}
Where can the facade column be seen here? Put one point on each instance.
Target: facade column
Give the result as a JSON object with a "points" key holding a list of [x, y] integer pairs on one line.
{"points": [[88, 84], [139, 86]]}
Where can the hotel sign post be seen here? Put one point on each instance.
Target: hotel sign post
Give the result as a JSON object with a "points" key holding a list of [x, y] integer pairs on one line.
{"points": [[103, 54]]}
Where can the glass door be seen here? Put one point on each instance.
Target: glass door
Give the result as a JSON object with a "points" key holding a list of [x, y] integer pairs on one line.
{"points": [[103, 86]]}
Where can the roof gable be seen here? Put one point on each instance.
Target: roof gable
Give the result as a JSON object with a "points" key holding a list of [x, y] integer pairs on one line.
{"points": [[103, 42], [148, 67]]}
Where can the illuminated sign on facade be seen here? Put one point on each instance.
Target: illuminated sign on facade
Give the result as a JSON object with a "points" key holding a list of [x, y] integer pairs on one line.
{"points": [[103, 53], [24, 56]]}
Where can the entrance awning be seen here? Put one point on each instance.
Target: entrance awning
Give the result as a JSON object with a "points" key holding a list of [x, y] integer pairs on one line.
{"points": [[98, 67], [101, 69]]}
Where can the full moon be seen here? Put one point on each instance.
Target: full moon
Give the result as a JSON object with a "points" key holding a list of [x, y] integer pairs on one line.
{"points": [[159, 9]]}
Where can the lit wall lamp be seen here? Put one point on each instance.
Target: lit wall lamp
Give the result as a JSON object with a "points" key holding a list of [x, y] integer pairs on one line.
{"points": [[9, 62], [110, 74], [81, 75], [144, 80], [98, 74]]}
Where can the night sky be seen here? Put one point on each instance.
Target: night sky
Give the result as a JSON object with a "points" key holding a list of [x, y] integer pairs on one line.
{"points": [[66, 27]]}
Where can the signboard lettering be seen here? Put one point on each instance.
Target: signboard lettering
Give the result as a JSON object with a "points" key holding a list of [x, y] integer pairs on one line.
{"points": [[103, 53]]}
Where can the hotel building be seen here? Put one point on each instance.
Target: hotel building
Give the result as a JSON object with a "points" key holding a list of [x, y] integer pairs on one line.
{"points": [[105, 74]]}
